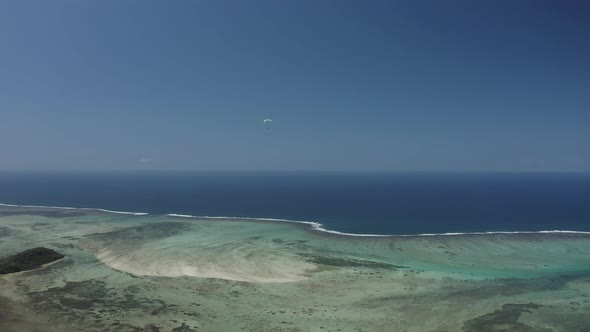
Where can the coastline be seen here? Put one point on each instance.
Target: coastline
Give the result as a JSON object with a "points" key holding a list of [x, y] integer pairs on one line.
{"points": [[314, 226]]}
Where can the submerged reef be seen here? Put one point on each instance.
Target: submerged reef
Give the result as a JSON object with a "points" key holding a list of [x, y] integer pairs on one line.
{"points": [[348, 262], [132, 273]]}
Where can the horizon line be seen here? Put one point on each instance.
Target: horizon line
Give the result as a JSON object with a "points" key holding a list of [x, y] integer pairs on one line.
{"points": [[288, 171]]}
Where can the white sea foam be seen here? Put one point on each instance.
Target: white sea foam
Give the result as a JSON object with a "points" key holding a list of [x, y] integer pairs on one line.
{"points": [[119, 212], [319, 227], [41, 206], [75, 208], [314, 225], [499, 232]]}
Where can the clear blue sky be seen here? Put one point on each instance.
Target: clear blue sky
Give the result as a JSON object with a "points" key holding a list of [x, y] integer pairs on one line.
{"points": [[350, 85]]}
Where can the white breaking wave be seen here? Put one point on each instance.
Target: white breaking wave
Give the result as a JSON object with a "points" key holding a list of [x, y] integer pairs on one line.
{"points": [[314, 225], [319, 227], [500, 232], [180, 215], [75, 208], [41, 206], [119, 212]]}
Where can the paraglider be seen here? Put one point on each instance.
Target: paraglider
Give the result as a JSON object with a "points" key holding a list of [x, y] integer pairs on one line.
{"points": [[267, 122]]}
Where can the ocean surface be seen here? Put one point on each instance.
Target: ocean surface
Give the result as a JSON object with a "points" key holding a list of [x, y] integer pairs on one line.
{"points": [[362, 203]]}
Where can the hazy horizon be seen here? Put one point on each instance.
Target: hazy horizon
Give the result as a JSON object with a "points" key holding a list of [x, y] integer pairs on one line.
{"points": [[286, 171]]}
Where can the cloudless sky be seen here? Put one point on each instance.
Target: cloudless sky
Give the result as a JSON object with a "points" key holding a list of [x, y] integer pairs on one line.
{"points": [[351, 85]]}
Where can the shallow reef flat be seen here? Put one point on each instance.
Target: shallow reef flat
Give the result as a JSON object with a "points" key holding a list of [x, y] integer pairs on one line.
{"points": [[163, 273]]}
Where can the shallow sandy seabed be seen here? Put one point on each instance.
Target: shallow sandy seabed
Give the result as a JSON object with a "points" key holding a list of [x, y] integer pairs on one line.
{"points": [[164, 273]]}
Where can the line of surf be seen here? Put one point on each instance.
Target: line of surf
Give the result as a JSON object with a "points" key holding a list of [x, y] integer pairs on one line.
{"points": [[313, 224], [75, 208], [319, 227]]}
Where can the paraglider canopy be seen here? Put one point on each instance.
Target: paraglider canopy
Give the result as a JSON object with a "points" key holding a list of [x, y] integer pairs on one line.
{"points": [[267, 122]]}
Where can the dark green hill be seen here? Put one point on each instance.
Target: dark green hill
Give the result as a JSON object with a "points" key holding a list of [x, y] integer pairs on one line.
{"points": [[28, 260]]}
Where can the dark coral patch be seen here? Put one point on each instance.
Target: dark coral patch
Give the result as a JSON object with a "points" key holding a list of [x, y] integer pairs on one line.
{"points": [[348, 262], [505, 319], [28, 260]]}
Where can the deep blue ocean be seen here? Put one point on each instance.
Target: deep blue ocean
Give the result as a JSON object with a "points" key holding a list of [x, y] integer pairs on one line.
{"points": [[377, 203]]}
